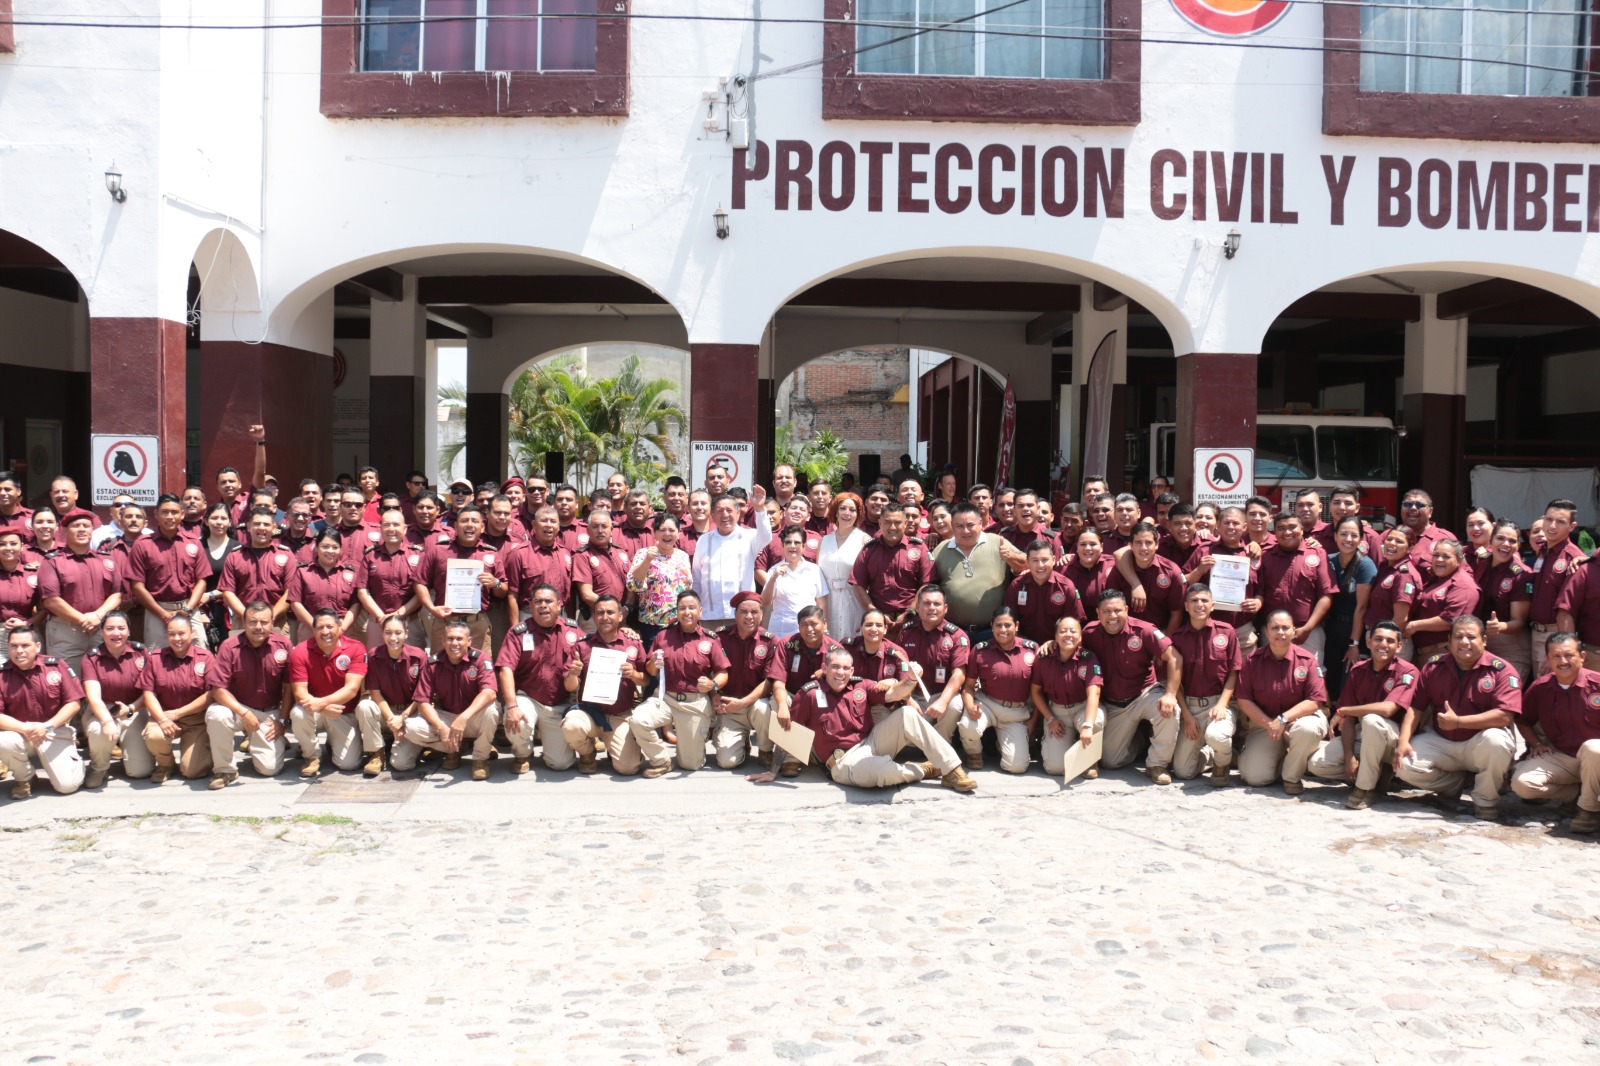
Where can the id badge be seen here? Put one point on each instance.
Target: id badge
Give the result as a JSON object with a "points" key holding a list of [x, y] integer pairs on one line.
{"points": [[938, 675], [527, 642], [794, 668], [822, 699], [1022, 597]]}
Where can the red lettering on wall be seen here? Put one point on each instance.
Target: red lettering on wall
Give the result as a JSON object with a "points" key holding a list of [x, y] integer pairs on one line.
{"points": [[951, 198], [1565, 199], [992, 159], [1198, 184], [1275, 184], [836, 192], [1258, 186], [875, 151], [1532, 185], [911, 177], [794, 171], [743, 171], [1230, 192], [1102, 179], [1338, 182], [1433, 193], [1058, 182], [1029, 173], [1163, 160], [1477, 201], [1394, 192]]}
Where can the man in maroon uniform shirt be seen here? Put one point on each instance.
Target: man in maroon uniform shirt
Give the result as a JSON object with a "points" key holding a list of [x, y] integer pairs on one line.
{"points": [[755, 667], [621, 749], [78, 588], [1295, 578], [890, 569], [167, 574], [258, 571], [532, 663], [39, 697], [249, 692], [455, 701], [1129, 651], [1459, 723], [1376, 694], [1561, 723]]}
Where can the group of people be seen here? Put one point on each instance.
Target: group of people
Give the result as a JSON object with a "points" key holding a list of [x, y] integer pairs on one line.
{"points": [[906, 632]]}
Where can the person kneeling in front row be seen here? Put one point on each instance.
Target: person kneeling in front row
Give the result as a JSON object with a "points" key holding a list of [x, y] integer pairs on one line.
{"points": [[856, 752], [1282, 694], [454, 703]]}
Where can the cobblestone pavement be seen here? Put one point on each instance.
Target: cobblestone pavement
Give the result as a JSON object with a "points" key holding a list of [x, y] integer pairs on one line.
{"points": [[1110, 922]]}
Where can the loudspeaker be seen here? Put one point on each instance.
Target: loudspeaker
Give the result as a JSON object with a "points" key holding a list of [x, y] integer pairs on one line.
{"points": [[555, 467], [871, 467]]}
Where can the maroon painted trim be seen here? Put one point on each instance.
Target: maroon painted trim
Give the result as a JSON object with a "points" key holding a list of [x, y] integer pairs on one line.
{"points": [[1348, 110], [348, 92], [724, 391], [1219, 392], [138, 379], [1113, 101], [288, 390], [8, 32]]}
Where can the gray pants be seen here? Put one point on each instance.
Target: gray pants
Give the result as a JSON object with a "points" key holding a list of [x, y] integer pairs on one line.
{"points": [[870, 764], [1376, 739], [223, 725], [1122, 727], [1265, 760], [67, 642], [563, 732], [1053, 750], [730, 737], [1213, 747], [1440, 765], [419, 734], [349, 734], [58, 757], [690, 718], [1010, 725], [155, 630]]}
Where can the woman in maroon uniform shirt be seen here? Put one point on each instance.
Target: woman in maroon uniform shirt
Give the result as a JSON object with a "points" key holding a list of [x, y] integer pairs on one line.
{"points": [[19, 582], [1088, 568], [326, 583]]}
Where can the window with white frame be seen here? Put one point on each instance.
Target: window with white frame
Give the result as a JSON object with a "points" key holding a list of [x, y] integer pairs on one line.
{"points": [[982, 38], [446, 35], [1476, 47]]}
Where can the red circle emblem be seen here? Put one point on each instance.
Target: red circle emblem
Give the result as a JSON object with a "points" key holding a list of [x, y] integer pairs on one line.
{"points": [[1505, 585], [1134, 643], [1299, 673], [1164, 581], [1220, 640], [1487, 684], [280, 656], [1388, 686], [705, 647], [1232, 18], [1058, 597], [1594, 699], [761, 651]]}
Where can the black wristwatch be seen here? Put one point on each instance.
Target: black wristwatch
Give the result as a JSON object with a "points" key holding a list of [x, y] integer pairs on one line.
{"points": [[261, 444]]}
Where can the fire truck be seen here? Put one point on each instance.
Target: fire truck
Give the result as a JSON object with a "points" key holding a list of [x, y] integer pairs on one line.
{"points": [[1319, 450]]}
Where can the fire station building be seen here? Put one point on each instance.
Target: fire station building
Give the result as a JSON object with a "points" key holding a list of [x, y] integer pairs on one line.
{"points": [[1184, 210]]}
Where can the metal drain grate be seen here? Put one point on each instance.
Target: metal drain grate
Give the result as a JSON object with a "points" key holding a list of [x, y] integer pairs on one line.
{"points": [[354, 788]]}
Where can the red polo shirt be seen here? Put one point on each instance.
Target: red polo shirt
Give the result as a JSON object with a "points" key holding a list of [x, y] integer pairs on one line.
{"points": [[687, 657], [1276, 685], [892, 574], [1421, 554], [451, 687], [38, 693], [1005, 675], [575, 537], [1294, 581], [354, 543], [420, 540], [396, 679], [1363, 684], [324, 675], [630, 646], [169, 569], [1127, 658], [258, 573], [1040, 606], [1504, 584], [175, 681], [1163, 590], [532, 564], [1067, 682], [1252, 587], [302, 549], [750, 661], [1448, 598], [1491, 684], [1210, 654], [1019, 538], [1570, 717], [940, 653], [772, 554], [538, 658], [254, 676], [22, 521], [631, 538], [118, 676], [605, 569], [841, 719], [890, 664]]}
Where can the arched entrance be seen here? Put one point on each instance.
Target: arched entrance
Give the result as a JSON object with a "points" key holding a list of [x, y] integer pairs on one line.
{"points": [[44, 408]]}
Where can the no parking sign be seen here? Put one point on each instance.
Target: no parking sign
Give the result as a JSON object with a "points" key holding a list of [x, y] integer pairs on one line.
{"points": [[1224, 476], [125, 464], [736, 457]]}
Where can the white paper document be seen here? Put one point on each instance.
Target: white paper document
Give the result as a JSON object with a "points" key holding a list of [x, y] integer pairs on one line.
{"points": [[1080, 758], [1229, 580], [603, 680], [462, 590]]}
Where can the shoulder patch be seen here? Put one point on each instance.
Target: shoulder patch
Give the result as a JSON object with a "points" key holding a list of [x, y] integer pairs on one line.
{"points": [[520, 628]]}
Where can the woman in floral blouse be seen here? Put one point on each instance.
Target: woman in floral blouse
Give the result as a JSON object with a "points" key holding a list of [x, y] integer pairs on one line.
{"points": [[658, 574]]}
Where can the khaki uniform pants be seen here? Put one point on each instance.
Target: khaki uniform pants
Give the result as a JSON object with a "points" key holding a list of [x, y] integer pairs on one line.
{"points": [[222, 726], [622, 750], [478, 625], [137, 759], [730, 736], [67, 642], [1265, 760], [1122, 729], [419, 734], [1440, 765], [194, 747], [870, 764], [563, 732], [1213, 747], [100, 740], [1010, 725], [1376, 739], [1562, 778], [1053, 750], [349, 734], [155, 630], [58, 757], [689, 718]]}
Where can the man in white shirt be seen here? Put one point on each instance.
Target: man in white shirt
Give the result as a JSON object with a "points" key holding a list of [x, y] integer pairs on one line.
{"points": [[725, 558], [116, 527]]}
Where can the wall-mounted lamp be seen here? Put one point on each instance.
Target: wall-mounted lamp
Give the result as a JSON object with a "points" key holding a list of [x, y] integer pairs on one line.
{"points": [[1230, 244], [114, 183], [720, 217]]}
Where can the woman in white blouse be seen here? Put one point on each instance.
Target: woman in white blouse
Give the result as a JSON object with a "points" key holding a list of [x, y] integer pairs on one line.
{"points": [[793, 585], [837, 557]]}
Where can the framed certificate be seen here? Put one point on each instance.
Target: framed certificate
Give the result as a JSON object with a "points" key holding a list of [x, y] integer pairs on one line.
{"points": [[462, 590]]}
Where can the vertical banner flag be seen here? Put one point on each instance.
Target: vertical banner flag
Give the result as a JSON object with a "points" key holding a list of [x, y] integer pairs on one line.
{"points": [[1097, 408], [1008, 434]]}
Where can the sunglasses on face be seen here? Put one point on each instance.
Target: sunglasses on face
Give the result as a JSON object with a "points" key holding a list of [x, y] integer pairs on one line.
{"points": [[1413, 505]]}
